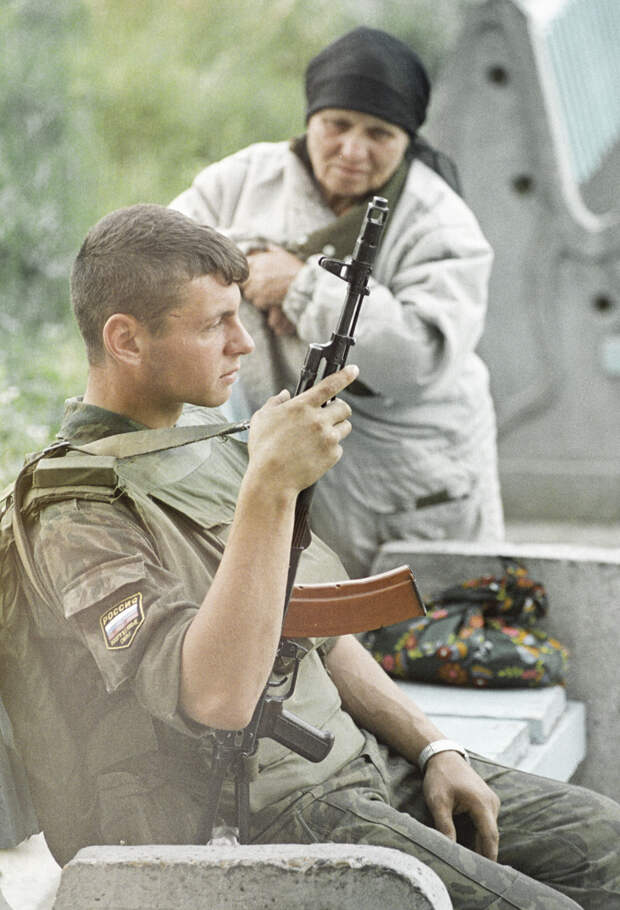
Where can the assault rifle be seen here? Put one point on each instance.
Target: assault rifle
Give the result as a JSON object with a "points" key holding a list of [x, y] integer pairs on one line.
{"points": [[233, 752], [333, 354]]}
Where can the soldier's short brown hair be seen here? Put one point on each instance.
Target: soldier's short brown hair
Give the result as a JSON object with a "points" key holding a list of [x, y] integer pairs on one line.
{"points": [[135, 259]]}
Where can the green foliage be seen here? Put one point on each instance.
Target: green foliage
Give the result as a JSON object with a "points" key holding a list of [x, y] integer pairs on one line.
{"points": [[43, 197], [104, 103], [33, 388], [183, 84], [39, 171]]}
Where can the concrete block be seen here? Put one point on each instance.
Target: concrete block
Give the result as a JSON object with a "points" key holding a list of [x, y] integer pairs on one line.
{"points": [[540, 709], [507, 742], [504, 741], [560, 756], [278, 877], [508, 104], [583, 587], [544, 735]]}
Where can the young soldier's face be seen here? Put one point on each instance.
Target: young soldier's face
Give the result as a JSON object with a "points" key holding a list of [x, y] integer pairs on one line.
{"points": [[196, 357]]}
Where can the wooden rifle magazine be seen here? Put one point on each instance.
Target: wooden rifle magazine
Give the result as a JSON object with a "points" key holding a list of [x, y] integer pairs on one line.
{"points": [[353, 606]]}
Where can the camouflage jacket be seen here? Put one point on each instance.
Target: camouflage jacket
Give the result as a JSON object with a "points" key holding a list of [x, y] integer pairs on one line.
{"points": [[125, 550]]}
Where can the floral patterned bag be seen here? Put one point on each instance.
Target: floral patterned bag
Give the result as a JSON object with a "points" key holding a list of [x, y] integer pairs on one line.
{"points": [[483, 632]]}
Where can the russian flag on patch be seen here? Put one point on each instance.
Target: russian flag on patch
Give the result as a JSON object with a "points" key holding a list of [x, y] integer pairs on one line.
{"points": [[120, 624]]}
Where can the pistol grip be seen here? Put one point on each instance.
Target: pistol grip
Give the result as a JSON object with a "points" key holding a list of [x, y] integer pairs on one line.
{"points": [[300, 737]]}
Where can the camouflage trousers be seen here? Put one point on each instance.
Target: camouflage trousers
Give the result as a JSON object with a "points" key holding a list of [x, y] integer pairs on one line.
{"points": [[559, 844]]}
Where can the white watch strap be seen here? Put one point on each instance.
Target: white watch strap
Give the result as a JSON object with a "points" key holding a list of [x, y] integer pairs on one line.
{"points": [[440, 745]]}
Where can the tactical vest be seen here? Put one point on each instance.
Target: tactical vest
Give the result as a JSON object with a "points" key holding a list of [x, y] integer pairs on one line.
{"points": [[61, 769]]}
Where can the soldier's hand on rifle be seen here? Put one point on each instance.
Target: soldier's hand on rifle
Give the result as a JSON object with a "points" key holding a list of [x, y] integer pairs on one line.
{"points": [[293, 441]]}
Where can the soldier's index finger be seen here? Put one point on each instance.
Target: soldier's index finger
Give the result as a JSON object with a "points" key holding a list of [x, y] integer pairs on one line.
{"points": [[330, 386]]}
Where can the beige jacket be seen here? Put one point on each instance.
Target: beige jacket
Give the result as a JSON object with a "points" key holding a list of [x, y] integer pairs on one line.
{"points": [[430, 426]]}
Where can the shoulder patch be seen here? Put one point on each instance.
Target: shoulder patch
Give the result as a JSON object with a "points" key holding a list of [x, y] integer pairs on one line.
{"points": [[120, 624]]}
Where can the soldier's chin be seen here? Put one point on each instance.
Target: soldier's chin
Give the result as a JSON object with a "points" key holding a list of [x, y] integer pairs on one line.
{"points": [[215, 398]]}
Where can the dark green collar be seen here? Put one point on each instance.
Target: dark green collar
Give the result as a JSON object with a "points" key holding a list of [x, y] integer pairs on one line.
{"points": [[83, 423]]}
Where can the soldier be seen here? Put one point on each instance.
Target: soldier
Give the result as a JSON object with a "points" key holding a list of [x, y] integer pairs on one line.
{"points": [[157, 613]]}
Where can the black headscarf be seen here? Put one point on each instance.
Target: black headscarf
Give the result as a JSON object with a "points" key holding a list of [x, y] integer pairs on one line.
{"points": [[369, 71]]}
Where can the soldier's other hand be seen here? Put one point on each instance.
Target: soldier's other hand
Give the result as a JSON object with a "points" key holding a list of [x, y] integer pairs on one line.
{"points": [[452, 787]]}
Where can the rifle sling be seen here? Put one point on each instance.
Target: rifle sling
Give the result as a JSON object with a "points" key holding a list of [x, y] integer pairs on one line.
{"points": [[146, 442]]}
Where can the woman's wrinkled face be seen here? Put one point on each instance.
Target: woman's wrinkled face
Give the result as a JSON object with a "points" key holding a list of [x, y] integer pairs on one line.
{"points": [[352, 153]]}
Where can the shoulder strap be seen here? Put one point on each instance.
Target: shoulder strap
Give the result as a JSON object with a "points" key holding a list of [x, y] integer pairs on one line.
{"points": [[145, 442], [22, 544], [121, 445]]}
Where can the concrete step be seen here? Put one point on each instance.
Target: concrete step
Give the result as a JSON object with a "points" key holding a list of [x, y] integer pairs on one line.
{"points": [[504, 741], [564, 750], [264, 877], [540, 709], [581, 533], [507, 742], [535, 730]]}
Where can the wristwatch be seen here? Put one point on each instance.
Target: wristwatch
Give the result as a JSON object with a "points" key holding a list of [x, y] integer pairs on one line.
{"points": [[440, 745]]}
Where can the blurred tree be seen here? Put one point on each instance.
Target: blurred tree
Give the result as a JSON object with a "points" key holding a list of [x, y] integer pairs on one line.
{"points": [[40, 177], [44, 202], [108, 102], [174, 86]]}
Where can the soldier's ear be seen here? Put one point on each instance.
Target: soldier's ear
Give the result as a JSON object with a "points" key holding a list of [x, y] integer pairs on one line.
{"points": [[121, 338]]}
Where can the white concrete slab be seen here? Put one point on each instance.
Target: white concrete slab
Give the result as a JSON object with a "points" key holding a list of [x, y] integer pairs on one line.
{"points": [[560, 756], [264, 877], [503, 741], [539, 708], [507, 742]]}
